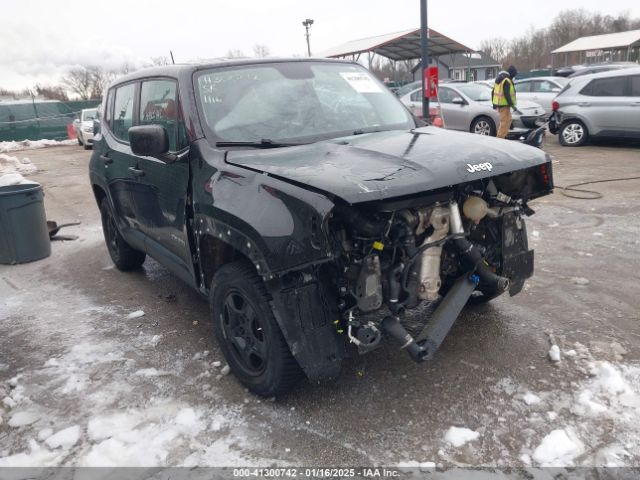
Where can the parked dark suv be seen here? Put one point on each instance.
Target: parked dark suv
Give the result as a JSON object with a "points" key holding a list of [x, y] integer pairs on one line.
{"points": [[305, 202]]}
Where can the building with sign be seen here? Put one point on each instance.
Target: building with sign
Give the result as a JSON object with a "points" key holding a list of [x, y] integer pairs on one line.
{"points": [[611, 47]]}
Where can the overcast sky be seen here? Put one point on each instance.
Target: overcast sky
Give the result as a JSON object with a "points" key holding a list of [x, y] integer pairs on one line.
{"points": [[41, 39]]}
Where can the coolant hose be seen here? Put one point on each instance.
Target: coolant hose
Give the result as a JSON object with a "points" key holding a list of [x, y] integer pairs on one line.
{"points": [[475, 259], [392, 327]]}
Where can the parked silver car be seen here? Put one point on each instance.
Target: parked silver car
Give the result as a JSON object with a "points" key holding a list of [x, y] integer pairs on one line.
{"points": [[468, 107], [541, 90], [83, 127], [600, 105]]}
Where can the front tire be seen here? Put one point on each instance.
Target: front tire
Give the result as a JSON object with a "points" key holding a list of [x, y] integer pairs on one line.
{"points": [[573, 133], [124, 256], [247, 332], [484, 126]]}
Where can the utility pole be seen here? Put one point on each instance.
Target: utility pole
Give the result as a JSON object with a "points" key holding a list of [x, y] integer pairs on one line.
{"points": [[307, 24], [424, 53]]}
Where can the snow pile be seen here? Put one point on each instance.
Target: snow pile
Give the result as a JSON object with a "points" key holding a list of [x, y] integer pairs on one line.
{"points": [[609, 392], [136, 314], [458, 436], [65, 439], [531, 398], [558, 449], [12, 170], [32, 144], [554, 353], [36, 457], [24, 418], [147, 438]]}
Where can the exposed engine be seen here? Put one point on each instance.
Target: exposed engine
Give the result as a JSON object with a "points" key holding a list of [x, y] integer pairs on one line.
{"points": [[398, 256]]}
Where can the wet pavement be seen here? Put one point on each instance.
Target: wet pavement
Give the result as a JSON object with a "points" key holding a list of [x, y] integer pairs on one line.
{"points": [[149, 390]]}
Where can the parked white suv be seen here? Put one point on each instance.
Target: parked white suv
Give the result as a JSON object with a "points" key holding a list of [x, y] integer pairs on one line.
{"points": [[600, 105], [541, 90]]}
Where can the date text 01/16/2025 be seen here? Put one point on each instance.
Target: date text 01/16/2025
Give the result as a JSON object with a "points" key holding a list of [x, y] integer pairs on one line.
{"points": [[316, 472]]}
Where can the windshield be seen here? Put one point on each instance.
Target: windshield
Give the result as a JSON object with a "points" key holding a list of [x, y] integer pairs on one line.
{"points": [[303, 101], [476, 92], [408, 88], [88, 114]]}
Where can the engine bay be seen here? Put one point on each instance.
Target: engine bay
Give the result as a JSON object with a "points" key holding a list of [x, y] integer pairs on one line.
{"points": [[395, 256]]}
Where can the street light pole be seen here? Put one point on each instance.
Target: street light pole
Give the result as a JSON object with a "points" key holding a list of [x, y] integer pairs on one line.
{"points": [[307, 24], [424, 53]]}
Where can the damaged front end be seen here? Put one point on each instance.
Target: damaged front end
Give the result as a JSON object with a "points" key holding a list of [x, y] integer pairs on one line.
{"points": [[405, 268]]}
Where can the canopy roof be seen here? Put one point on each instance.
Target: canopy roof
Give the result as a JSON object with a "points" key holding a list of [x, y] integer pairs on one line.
{"points": [[403, 45], [602, 42]]}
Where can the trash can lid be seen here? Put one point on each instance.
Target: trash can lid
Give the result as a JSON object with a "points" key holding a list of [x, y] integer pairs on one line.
{"points": [[20, 188]]}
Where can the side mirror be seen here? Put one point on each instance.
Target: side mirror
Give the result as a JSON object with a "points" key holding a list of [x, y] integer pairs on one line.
{"points": [[556, 90], [458, 101], [149, 140]]}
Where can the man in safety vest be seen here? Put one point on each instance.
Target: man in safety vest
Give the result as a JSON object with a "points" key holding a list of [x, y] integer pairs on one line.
{"points": [[504, 99]]}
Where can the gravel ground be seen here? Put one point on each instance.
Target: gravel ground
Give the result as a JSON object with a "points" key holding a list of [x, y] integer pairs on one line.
{"points": [[81, 383]]}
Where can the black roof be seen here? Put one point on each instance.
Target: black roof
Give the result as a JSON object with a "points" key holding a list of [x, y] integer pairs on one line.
{"points": [[182, 69]]}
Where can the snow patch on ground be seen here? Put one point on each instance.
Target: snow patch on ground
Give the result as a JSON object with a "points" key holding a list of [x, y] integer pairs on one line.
{"points": [[554, 353], [33, 144], [22, 419], [65, 439], [136, 314], [530, 398], [458, 436], [558, 449], [13, 169]]}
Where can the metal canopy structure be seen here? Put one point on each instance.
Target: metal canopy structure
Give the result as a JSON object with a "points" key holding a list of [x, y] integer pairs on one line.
{"points": [[619, 46], [397, 46], [602, 42]]}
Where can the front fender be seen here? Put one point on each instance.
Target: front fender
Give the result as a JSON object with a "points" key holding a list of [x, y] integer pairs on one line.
{"points": [[279, 226]]}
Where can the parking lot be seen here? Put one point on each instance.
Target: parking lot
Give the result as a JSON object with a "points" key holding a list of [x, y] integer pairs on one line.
{"points": [[151, 390]]}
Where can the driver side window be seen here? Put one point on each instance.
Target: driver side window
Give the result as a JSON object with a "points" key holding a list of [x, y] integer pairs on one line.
{"points": [[446, 96], [159, 106]]}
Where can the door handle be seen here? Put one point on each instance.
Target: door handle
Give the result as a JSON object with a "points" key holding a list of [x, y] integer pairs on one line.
{"points": [[136, 172], [106, 160], [584, 104], [635, 104]]}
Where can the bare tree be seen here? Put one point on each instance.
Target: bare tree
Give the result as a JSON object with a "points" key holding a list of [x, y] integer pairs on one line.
{"points": [[79, 81], [160, 61], [51, 93], [533, 49], [260, 51], [496, 48], [235, 53], [100, 79]]}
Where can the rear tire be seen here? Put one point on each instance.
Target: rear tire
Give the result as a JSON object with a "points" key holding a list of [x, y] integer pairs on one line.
{"points": [[87, 146], [247, 331], [125, 257], [484, 126], [573, 133], [79, 140]]}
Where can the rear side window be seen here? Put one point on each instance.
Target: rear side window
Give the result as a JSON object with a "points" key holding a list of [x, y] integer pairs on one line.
{"points": [[635, 86], [159, 106], [123, 111], [108, 111], [543, 86], [523, 87], [606, 87]]}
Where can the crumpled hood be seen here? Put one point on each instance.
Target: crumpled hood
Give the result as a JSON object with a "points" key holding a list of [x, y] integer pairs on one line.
{"points": [[391, 164]]}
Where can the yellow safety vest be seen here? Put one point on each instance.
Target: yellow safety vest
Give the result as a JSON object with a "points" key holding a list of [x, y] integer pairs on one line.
{"points": [[498, 93]]}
